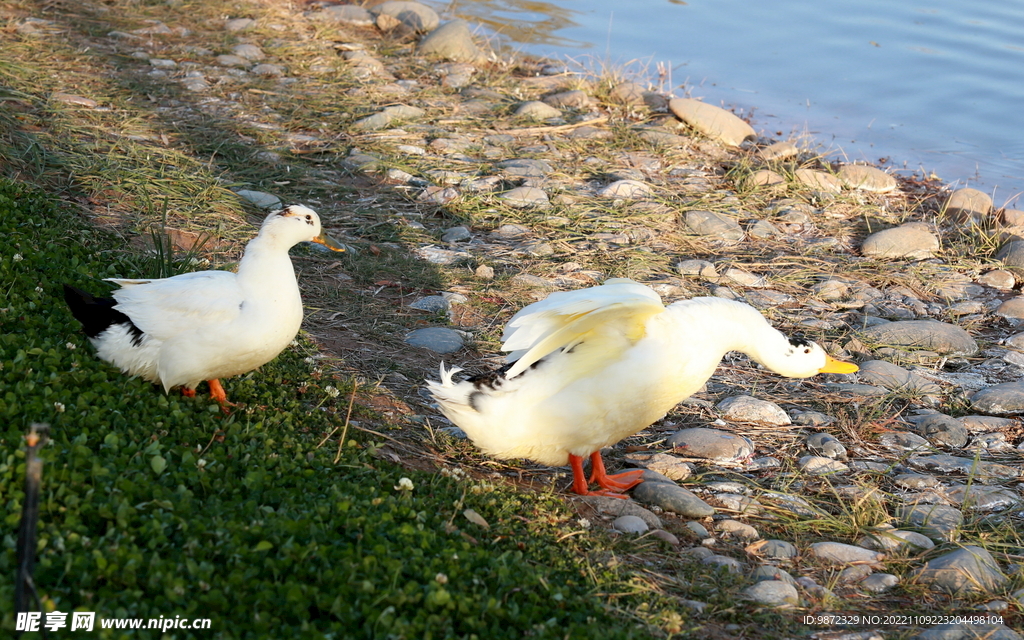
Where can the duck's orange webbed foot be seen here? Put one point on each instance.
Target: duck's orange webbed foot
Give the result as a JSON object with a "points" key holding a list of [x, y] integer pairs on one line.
{"points": [[611, 486], [218, 394], [188, 393]]}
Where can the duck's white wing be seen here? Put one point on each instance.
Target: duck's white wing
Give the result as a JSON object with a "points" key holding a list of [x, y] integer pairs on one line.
{"points": [[562, 320], [165, 307]]}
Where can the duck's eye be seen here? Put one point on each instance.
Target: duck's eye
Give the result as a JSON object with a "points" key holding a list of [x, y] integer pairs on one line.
{"points": [[309, 218], [807, 350]]}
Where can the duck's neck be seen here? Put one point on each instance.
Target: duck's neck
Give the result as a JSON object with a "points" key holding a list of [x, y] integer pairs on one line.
{"points": [[266, 266], [733, 326]]}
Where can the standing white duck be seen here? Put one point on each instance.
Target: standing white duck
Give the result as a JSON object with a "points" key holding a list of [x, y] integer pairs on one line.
{"points": [[205, 325], [589, 367]]}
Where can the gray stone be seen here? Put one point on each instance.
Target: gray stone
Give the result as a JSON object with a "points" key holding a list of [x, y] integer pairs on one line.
{"points": [[630, 524], [259, 198], [942, 430], [773, 593], [817, 465], [710, 444], [271, 70], [814, 589], [730, 528], [714, 224], [811, 419], [436, 339], [753, 410], [626, 190], [697, 553], [524, 197], [968, 205], [456, 234], [665, 536], [916, 481], [1001, 399], [672, 497], [980, 471], [698, 529], [346, 14], [912, 240], [741, 504], [525, 168], [774, 549], [778, 151], [1012, 309], [838, 553], [627, 92], [618, 507], [1012, 254], [714, 122], [231, 61], [853, 574], [998, 279], [982, 498], [162, 63], [433, 304], [791, 503], [570, 99], [879, 582], [672, 467], [903, 441], [937, 521], [763, 178], [983, 424], [537, 110], [732, 565], [941, 337], [451, 41], [414, 15], [239, 24], [249, 52], [770, 572], [865, 178], [824, 444], [964, 571], [818, 180], [896, 540], [386, 116]]}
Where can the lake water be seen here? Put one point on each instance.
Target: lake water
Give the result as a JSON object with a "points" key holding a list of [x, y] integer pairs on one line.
{"points": [[923, 86]]}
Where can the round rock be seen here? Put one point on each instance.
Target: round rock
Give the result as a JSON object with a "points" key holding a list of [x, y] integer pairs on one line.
{"points": [[451, 41], [912, 240], [714, 122], [711, 444], [837, 553], [931, 335], [865, 178], [964, 571], [1012, 254], [437, 339], [524, 197], [537, 110], [750, 409], [714, 224], [626, 190], [414, 15], [630, 524], [672, 497], [818, 180], [1001, 399], [773, 593], [937, 521], [968, 205], [824, 444]]}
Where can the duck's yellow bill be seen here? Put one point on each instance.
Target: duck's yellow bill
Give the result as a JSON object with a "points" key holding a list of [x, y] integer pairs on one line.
{"points": [[328, 242], [837, 366]]}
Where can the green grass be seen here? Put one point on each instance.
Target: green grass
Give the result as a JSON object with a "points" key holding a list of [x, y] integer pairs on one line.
{"points": [[155, 504]]}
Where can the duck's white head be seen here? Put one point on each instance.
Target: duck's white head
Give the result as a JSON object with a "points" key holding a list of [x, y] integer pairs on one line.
{"points": [[802, 358], [294, 224]]}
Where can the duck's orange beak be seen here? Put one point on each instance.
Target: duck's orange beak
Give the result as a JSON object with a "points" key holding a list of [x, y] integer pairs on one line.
{"points": [[837, 366], [328, 242]]}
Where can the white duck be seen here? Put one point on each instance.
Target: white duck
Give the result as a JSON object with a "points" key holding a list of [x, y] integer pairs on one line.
{"points": [[205, 325], [590, 367]]}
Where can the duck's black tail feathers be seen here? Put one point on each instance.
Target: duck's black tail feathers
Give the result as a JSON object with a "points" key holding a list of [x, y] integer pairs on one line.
{"points": [[97, 314]]}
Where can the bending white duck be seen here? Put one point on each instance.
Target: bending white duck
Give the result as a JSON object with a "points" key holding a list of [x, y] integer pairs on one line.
{"points": [[205, 325], [589, 367]]}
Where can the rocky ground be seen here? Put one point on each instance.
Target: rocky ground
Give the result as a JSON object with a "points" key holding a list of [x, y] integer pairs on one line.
{"points": [[470, 182]]}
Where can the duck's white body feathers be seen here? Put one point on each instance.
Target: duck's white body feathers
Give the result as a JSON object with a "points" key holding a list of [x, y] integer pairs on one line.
{"points": [[210, 324], [596, 365]]}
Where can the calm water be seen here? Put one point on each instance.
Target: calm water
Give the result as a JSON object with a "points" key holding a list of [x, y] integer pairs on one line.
{"points": [[934, 86]]}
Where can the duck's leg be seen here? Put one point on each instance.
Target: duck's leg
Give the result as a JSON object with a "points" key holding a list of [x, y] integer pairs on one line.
{"points": [[218, 394], [188, 393], [616, 482], [580, 484]]}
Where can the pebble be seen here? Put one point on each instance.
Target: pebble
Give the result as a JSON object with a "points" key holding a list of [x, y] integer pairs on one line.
{"points": [[998, 279], [525, 168], [436, 339], [827, 445], [414, 15], [817, 465], [456, 234], [938, 522], [259, 198], [698, 529], [710, 444], [773, 593], [386, 116], [627, 92], [618, 507], [537, 110], [764, 178], [968, 205], [818, 180], [570, 99], [626, 190], [774, 549], [736, 529], [778, 151], [942, 430], [630, 524], [941, 337], [248, 52], [270, 70], [981, 471], [770, 572], [838, 553], [432, 304], [856, 573], [744, 505], [715, 225], [753, 410], [1012, 254], [982, 498], [912, 240], [344, 13], [672, 467], [525, 197], [1000, 399], [732, 565], [69, 98], [866, 178], [879, 582], [672, 497], [968, 570], [239, 24], [665, 536], [228, 60], [893, 540], [714, 122], [451, 41], [916, 481], [794, 504]]}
